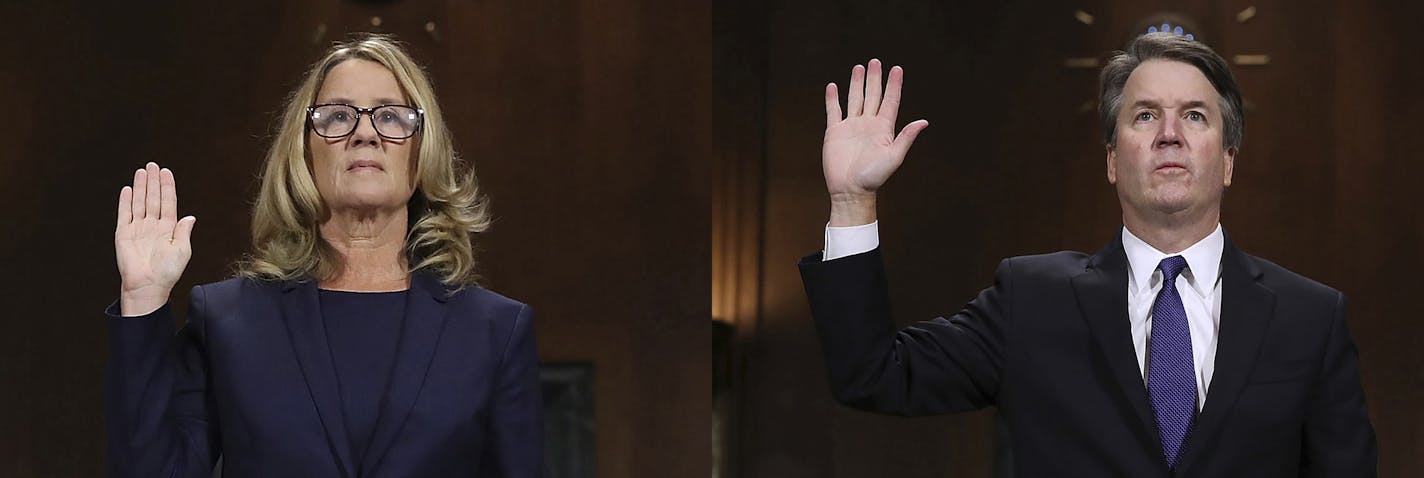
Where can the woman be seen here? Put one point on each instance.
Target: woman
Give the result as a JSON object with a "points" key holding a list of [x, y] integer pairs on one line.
{"points": [[354, 341]]}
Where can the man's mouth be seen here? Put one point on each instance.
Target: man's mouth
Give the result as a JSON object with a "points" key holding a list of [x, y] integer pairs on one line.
{"points": [[1170, 166]]}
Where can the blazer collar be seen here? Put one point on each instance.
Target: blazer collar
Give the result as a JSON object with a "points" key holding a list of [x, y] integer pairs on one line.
{"points": [[1247, 307], [425, 315], [301, 310], [1101, 290]]}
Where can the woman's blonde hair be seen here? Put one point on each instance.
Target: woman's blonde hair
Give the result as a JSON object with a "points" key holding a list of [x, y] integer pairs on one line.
{"points": [[445, 210]]}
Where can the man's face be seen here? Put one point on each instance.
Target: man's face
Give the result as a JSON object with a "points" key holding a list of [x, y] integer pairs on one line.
{"points": [[1169, 157]]}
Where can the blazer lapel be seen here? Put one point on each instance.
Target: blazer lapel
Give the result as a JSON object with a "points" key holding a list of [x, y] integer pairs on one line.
{"points": [[1102, 297], [301, 311], [1246, 310], [425, 315]]}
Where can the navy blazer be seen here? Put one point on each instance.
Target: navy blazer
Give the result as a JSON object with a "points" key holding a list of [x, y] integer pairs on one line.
{"points": [[1049, 345], [250, 378]]}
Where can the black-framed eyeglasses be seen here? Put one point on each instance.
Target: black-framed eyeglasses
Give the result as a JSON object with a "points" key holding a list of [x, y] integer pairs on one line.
{"points": [[334, 120]]}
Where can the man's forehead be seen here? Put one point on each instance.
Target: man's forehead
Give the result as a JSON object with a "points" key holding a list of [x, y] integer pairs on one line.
{"points": [[1166, 82]]}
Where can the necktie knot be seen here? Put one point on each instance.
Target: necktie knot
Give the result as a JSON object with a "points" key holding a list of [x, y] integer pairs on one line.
{"points": [[1171, 267]]}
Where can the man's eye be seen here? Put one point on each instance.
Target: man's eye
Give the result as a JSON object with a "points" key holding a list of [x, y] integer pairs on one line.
{"points": [[1144, 116], [1196, 116]]}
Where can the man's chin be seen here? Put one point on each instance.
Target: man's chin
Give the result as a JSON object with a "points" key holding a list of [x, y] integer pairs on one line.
{"points": [[1172, 206], [1169, 202]]}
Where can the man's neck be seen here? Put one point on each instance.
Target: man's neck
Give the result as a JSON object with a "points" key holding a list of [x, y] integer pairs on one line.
{"points": [[1171, 233]]}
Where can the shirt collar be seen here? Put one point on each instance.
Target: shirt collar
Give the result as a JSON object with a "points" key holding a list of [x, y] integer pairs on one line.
{"points": [[1203, 262]]}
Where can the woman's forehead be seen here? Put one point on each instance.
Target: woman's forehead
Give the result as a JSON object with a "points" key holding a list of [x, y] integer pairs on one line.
{"points": [[360, 81]]}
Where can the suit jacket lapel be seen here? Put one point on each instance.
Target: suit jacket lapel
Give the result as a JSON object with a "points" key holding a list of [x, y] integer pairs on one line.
{"points": [[425, 315], [1246, 310], [301, 311], [1102, 298]]}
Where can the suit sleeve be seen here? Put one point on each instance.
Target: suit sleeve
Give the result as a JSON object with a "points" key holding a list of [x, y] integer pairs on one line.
{"points": [[515, 448], [937, 366], [159, 413], [1339, 440]]}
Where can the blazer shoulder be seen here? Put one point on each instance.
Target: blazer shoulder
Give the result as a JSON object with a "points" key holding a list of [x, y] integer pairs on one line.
{"points": [[1053, 265], [1285, 281], [478, 301], [232, 291]]}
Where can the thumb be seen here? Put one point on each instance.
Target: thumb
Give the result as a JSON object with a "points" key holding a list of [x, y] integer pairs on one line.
{"points": [[907, 136], [184, 230]]}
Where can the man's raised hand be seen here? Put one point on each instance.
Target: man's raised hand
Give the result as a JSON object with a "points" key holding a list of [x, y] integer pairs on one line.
{"points": [[861, 149]]}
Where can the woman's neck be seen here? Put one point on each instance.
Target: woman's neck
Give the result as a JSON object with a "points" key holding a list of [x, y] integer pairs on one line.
{"points": [[371, 245]]}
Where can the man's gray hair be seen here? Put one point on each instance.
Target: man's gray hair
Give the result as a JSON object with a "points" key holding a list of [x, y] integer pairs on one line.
{"points": [[1169, 46]]}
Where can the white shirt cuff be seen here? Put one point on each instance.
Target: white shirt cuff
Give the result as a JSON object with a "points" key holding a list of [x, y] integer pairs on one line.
{"points": [[849, 241]]}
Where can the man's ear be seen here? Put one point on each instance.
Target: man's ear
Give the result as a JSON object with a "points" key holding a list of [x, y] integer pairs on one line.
{"points": [[1112, 166], [1229, 156]]}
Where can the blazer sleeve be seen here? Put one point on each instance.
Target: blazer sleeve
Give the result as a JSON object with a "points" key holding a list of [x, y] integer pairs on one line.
{"points": [[1339, 440], [937, 366], [516, 424], [159, 414]]}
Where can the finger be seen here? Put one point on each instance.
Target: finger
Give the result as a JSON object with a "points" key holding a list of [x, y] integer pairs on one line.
{"points": [[151, 200], [856, 92], [125, 205], [907, 136], [168, 194], [890, 107], [833, 105], [140, 191], [872, 87], [183, 232]]}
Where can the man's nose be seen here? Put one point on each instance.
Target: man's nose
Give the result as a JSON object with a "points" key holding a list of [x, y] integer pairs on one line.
{"points": [[1170, 134]]}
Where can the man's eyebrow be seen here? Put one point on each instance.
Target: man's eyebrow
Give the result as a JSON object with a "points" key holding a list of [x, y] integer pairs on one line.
{"points": [[1154, 104], [1149, 104], [1195, 104]]}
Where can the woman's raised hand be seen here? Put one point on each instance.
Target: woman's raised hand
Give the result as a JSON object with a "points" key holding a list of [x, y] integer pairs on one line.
{"points": [[151, 243]]}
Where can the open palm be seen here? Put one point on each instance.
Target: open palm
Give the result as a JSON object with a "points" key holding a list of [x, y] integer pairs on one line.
{"points": [[151, 244], [861, 150]]}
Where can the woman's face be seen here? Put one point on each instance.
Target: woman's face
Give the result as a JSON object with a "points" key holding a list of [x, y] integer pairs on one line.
{"points": [[362, 171]]}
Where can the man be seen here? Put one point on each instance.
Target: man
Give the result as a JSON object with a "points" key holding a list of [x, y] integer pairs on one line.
{"points": [[1168, 353]]}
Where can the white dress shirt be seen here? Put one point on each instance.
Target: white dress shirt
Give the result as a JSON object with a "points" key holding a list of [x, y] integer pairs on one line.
{"points": [[1199, 286]]}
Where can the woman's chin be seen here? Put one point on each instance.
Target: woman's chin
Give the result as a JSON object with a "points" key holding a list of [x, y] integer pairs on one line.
{"points": [[369, 203]]}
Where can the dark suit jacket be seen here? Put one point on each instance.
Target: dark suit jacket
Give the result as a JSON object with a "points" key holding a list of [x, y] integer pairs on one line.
{"points": [[250, 378], [1049, 344]]}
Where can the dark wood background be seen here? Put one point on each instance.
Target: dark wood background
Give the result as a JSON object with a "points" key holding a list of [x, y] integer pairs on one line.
{"points": [[1326, 184], [589, 123]]}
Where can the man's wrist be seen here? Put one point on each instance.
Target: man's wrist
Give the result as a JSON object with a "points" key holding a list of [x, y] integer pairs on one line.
{"points": [[852, 209]]}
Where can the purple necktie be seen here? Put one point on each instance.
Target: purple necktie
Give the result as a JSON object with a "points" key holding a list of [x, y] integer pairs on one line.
{"points": [[1171, 381]]}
